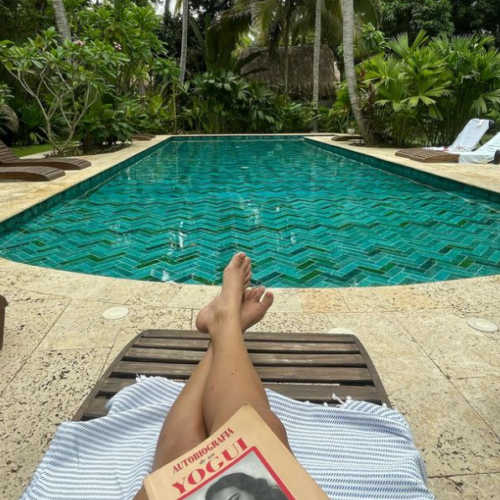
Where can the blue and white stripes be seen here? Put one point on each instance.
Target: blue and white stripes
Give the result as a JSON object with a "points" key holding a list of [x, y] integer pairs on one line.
{"points": [[353, 451]]}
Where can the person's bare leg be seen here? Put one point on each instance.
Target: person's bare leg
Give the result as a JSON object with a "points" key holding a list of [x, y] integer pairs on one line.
{"points": [[253, 309], [186, 414], [184, 427], [232, 381]]}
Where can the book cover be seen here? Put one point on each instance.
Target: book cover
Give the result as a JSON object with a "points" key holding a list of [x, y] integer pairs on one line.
{"points": [[243, 460]]}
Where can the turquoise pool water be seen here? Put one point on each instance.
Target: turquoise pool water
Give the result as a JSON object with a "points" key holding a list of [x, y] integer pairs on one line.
{"points": [[308, 217]]}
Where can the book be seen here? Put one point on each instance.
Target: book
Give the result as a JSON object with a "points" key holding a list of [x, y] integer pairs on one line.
{"points": [[243, 460]]}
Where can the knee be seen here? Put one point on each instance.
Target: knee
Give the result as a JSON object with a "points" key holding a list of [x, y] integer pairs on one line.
{"points": [[275, 424]]}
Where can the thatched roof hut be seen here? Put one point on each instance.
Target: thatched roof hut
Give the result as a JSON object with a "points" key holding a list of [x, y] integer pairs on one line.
{"points": [[300, 69]]}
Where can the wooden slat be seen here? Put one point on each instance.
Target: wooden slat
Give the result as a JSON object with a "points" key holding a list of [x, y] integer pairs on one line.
{"points": [[309, 366], [428, 155], [323, 393], [303, 392], [112, 385], [271, 373], [278, 359], [33, 174], [279, 337], [96, 409], [252, 346]]}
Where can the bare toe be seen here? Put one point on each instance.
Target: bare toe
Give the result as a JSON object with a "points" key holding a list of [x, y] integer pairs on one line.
{"points": [[268, 300], [239, 259], [248, 278], [259, 292]]}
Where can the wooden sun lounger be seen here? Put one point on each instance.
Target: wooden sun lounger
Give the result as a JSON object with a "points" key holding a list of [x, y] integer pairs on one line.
{"points": [[428, 155], [139, 136], [28, 173], [9, 159], [3, 305], [306, 367], [345, 137]]}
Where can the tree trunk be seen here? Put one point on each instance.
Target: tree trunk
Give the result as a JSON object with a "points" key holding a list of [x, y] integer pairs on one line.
{"points": [[350, 70], [61, 19], [316, 57], [185, 19], [285, 57], [286, 42]]}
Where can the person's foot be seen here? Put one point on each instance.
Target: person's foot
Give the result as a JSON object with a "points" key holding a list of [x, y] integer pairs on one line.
{"points": [[236, 278], [255, 306]]}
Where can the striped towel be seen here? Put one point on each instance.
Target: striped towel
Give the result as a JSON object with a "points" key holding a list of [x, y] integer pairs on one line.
{"points": [[355, 450]]}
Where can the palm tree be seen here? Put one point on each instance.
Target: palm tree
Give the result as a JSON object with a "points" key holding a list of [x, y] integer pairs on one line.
{"points": [[350, 70], [290, 6], [185, 19], [275, 18], [61, 19], [316, 57], [283, 21]]}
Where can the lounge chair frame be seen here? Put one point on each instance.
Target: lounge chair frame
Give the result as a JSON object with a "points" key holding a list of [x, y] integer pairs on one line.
{"points": [[3, 305], [9, 159], [305, 367], [428, 155], [139, 136], [28, 173]]}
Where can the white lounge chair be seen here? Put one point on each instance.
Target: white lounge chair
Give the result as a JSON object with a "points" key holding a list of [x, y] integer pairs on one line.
{"points": [[485, 154], [466, 141], [469, 138]]}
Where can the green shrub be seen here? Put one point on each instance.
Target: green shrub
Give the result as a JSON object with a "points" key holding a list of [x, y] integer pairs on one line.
{"points": [[223, 102], [9, 123], [297, 116], [32, 125], [64, 79], [425, 92]]}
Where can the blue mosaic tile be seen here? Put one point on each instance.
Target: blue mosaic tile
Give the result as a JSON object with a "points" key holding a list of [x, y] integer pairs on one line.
{"points": [[309, 215]]}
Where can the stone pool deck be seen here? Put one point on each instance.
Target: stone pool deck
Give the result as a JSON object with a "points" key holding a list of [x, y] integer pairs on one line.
{"points": [[441, 374]]}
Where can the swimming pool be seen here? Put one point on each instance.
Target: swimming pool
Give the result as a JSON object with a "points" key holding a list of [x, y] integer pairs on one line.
{"points": [[308, 217]]}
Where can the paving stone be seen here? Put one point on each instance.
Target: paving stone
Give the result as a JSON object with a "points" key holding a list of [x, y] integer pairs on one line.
{"points": [[322, 300], [473, 487], [483, 394], [396, 298], [458, 350], [47, 391], [290, 322], [82, 326], [453, 438], [381, 333]]}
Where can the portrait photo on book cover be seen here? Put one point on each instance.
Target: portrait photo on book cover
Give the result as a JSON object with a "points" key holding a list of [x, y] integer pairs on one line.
{"points": [[247, 479]]}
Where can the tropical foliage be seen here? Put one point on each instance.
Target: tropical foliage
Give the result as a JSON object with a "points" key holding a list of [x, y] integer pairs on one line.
{"points": [[116, 67], [64, 79], [428, 89]]}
